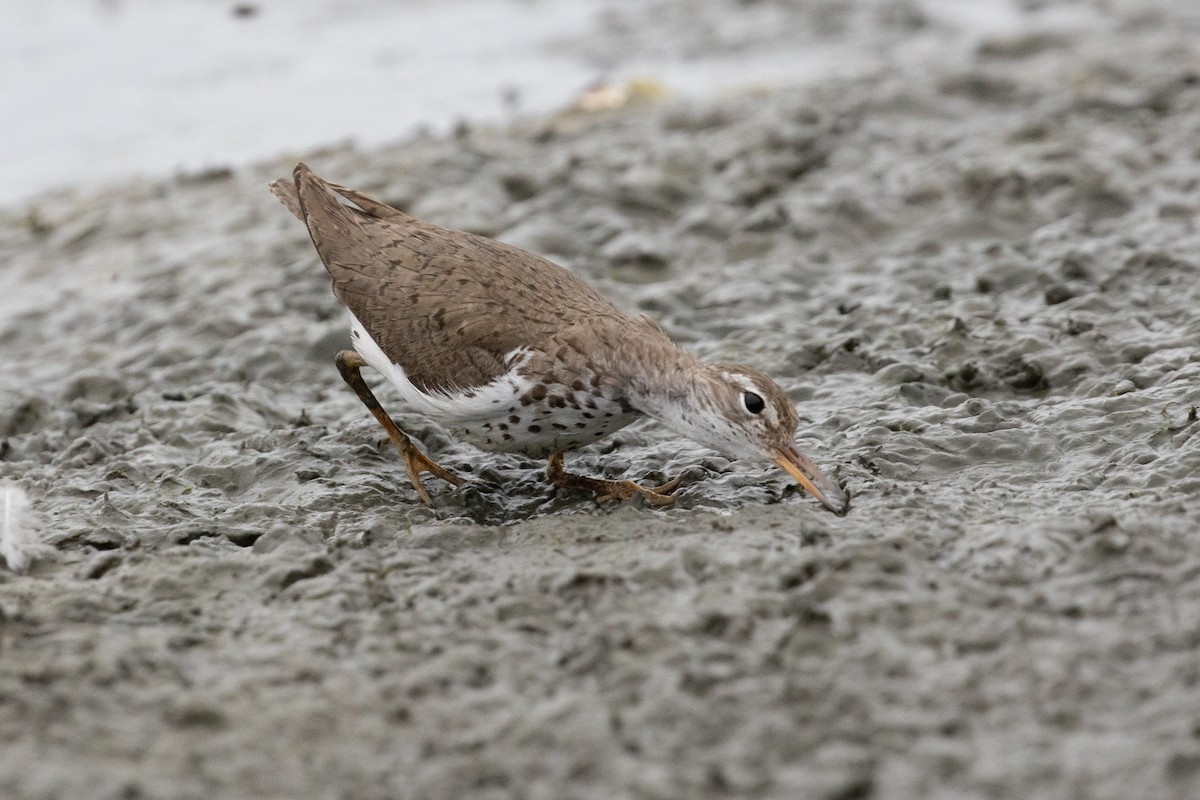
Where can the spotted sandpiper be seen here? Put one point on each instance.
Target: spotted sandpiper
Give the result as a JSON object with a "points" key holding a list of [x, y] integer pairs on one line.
{"points": [[513, 353]]}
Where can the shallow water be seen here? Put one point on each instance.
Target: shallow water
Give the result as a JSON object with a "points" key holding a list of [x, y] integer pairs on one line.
{"points": [[976, 275]]}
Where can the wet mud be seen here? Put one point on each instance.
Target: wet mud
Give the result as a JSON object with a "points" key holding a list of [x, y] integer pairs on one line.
{"points": [[978, 276]]}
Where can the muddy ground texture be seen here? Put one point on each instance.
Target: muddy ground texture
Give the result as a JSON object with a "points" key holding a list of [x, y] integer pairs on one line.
{"points": [[977, 276]]}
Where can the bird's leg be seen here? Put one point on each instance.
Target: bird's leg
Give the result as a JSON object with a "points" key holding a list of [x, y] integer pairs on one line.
{"points": [[609, 490], [349, 364]]}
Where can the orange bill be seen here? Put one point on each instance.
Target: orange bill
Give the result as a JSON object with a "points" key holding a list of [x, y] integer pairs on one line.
{"points": [[815, 482]]}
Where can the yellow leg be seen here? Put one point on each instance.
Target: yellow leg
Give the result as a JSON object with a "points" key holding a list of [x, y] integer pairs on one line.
{"points": [[349, 364]]}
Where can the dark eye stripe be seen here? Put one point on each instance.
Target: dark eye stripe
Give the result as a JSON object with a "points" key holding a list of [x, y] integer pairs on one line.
{"points": [[754, 404]]}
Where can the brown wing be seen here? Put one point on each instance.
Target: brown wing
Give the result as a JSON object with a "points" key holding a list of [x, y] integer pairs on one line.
{"points": [[445, 305]]}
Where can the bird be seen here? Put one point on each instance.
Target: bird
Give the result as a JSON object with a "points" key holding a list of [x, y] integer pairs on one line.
{"points": [[513, 353]]}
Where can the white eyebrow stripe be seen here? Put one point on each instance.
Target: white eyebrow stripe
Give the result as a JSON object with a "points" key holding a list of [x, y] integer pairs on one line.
{"points": [[747, 383]]}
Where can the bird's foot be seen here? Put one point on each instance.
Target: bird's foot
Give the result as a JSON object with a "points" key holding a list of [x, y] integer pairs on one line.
{"points": [[416, 463], [627, 490], [606, 490]]}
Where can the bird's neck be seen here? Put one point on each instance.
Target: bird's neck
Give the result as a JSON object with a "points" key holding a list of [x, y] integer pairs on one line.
{"points": [[661, 379]]}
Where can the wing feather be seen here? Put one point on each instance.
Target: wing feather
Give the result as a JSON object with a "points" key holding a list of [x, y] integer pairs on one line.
{"points": [[445, 305]]}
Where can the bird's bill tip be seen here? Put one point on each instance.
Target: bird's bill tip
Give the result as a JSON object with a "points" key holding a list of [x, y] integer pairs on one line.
{"points": [[814, 481]]}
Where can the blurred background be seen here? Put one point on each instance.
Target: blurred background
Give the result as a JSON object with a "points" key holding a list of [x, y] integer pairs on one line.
{"points": [[95, 90]]}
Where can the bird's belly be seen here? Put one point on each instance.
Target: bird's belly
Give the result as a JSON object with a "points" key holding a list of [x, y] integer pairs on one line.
{"points": [[514, 413], [539, 429]]}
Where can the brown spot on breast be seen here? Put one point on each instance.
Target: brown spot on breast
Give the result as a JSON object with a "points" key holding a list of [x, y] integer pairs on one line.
{"points": [[535, 428], [514, 419]]}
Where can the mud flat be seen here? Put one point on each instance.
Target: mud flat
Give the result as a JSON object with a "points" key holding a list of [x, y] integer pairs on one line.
{"points": [[978, 275]]}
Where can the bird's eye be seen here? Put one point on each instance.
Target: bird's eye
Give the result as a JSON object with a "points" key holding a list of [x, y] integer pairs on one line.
{"points": [[754, 404]]}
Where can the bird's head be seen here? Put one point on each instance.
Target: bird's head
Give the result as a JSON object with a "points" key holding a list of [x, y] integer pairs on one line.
{"points": [[743, 413]]}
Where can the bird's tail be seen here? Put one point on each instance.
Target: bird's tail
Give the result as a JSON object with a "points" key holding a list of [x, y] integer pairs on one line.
{"points": [[285, 191], [303, 178]]}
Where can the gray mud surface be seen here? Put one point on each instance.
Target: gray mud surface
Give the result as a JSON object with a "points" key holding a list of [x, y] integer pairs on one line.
{"points": [[976, 273]]}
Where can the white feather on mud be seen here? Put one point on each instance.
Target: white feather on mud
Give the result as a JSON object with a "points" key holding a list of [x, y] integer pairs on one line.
{"points": [[20, 541]]}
